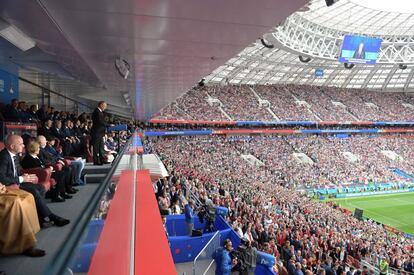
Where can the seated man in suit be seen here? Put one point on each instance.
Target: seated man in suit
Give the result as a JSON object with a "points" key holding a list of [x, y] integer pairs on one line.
{"points": [[32, 113], [57, 130], [66, 142], [78, 164], [42, 113], [12, 176], [68, 132], [77, 129], [46, 129], [49, 159], [22, 108], [12, 113]]}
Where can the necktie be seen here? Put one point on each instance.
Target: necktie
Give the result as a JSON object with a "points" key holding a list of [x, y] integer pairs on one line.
{"points": [[17, 166]]}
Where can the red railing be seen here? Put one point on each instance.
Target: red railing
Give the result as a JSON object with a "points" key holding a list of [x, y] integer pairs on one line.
{"points": [[112, 255], [151, 252]]}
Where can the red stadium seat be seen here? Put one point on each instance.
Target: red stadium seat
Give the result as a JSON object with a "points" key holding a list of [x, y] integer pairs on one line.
{"points": [[43, 175], [88, 151]]}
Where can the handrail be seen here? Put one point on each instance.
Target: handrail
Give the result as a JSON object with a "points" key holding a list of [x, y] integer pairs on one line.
{"points": [[370, 266], [208, 267], [54, 92], [201, 251], [66, 97], [391, 270], [62, 258], [194, 197], [400, 271]]}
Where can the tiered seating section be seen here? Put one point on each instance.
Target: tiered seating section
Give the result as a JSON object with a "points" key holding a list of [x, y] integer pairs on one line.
{"points": [[289, 103], [264, 206]]}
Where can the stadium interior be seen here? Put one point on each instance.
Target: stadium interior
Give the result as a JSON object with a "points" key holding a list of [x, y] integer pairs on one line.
{"points": [[267, 137]]}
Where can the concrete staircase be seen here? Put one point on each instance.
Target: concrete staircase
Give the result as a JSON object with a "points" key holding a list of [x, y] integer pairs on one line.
{"points": [[95, 174], [215, 102], [264, 103], [308, 107], [339, 104]]}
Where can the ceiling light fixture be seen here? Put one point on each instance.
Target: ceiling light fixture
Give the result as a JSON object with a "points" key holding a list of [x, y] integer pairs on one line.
{"points": [[16, 36], [126, 97], [304, 59], [123, 67], [348, 65], [402, 66], [330, 2]]}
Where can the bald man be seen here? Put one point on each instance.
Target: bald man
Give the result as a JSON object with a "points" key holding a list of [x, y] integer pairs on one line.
{"points": [[12, 176]]}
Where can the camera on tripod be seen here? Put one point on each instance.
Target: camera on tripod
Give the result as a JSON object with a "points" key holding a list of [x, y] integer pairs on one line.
{"points": [[207, 213]]}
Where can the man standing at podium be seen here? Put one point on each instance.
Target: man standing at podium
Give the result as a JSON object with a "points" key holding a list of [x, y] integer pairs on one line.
{"points": [[98, 132]]}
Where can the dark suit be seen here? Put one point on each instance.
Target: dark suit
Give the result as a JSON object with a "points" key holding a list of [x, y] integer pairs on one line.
{"points": [[77, 132], [57, 133], [12, 114], [45, 132], [32, 116], [31, 162], [97, 134], [68, 174], [48, 158], [66, 132], [42, 115], [7, 177]]}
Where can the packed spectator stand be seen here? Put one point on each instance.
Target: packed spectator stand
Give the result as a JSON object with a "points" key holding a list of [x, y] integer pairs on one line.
{"points": [[214, 167], [288, 103], [265, 207]]}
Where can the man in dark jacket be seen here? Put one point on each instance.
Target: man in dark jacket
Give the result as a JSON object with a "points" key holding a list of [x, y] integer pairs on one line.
{"points": [[97, 133], [12, 113], [50, 160]]}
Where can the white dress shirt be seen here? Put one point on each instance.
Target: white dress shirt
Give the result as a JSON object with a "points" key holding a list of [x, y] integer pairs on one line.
{"points": [[12, 155]]}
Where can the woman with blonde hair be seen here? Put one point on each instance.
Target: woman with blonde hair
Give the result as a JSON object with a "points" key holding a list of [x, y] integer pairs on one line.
{"points": [[31, 160]]}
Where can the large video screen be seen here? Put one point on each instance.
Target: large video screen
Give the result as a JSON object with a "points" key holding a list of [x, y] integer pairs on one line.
{"points": [[360, 49]]}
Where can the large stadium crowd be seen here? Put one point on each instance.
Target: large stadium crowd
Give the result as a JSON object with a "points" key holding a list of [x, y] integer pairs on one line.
{"points": [[290, 103], [266, 209], [237, 100]]}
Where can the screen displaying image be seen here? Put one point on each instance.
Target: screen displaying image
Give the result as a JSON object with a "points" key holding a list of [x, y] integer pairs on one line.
{"points": [[360, 49]]}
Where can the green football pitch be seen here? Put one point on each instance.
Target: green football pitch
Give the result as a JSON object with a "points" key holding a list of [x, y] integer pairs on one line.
{"points": [[395, 210]]}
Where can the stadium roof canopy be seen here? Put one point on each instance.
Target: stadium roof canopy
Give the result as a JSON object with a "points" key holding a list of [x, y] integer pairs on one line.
{"points": [[317, 32], [167, 46]]}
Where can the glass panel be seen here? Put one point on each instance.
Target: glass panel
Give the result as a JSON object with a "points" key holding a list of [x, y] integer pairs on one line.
{"points": [[79, 248], [29, 93]]}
